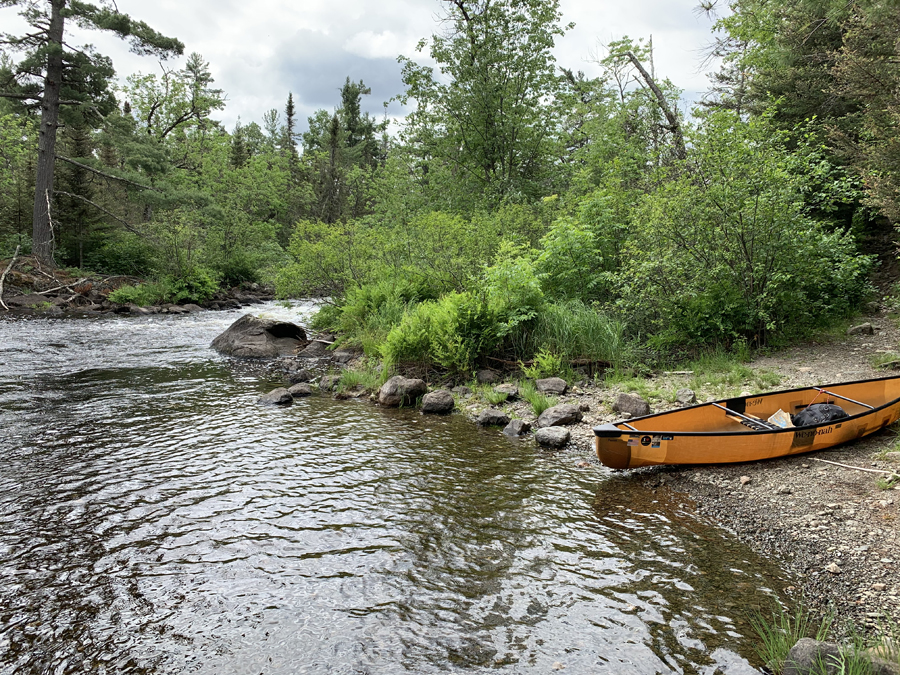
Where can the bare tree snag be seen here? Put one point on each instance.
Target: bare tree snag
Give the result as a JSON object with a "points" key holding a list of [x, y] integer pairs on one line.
{"points": [[3, 277], [674, 125]]}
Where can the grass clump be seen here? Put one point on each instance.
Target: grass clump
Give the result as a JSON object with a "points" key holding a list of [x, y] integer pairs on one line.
{"points": [[885, 360], [539, 402], [368, 377], [648, 389], [493, 397], [887, 482], [782, 629]]}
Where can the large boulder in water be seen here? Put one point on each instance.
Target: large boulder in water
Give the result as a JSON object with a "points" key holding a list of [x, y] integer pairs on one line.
{"points": [[255, 338]]}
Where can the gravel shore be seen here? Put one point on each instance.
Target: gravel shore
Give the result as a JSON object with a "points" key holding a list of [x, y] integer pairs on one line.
{"points": [[833, 528]]}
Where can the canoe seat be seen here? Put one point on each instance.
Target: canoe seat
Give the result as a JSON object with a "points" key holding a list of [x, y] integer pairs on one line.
{"points": [[750, 421], [756, 425]]}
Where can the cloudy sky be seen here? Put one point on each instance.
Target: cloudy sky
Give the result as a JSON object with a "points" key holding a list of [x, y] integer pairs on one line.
{"points": [[258, 51]]}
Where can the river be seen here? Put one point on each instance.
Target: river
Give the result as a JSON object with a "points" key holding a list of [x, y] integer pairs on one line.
{"points": [[154, 519]]}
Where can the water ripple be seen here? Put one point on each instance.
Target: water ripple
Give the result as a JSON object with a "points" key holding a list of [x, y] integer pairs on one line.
{"points": [[153, 519]]}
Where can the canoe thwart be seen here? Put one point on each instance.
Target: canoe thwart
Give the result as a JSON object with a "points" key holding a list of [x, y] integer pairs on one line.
{"points": [[844, 398]]}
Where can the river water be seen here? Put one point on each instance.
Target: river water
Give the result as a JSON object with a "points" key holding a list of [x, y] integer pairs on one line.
{"points": [[154, 519]]}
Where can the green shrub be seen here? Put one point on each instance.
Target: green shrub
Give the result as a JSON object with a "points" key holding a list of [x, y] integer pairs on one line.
{"points": [[410, 340], [240, 266], [545, 364], [724, 249], [197, 284], [570, 261], [121, 253], [451, 332], [151, 293]]}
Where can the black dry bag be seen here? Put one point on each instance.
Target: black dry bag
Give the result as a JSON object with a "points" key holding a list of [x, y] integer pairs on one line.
{"points": [[818, 413]]}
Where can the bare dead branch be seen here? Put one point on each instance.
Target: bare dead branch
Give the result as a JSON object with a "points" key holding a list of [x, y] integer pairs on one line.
{"points": [[128, 226], [103, 173], [857, 468], [58, 288], [3, 277]]}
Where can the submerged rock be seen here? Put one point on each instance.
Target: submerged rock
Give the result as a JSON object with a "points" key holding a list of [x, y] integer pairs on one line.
{"points": [[517, 428], [252, 337], [301, 375], [279, 396], [329, 382], [315, 349], [300, 389], [492, 418]]}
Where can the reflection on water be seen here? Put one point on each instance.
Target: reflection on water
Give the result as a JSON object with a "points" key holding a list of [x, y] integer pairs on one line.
{"points": [[153, 519]]}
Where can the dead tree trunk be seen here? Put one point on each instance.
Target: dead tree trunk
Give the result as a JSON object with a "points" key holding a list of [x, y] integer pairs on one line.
{"points": [[673, 124]]}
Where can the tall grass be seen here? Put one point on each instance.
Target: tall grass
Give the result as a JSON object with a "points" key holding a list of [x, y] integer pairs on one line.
{"points": [[573, 330], [781, 630]]}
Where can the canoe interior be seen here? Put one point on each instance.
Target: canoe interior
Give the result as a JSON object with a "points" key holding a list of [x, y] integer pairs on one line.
{"points": [[705, 433]]}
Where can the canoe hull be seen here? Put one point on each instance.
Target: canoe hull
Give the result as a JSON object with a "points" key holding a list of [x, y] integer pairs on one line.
{"points": [[670, 438]]}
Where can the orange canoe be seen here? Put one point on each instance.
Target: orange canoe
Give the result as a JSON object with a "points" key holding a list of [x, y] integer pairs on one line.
{"points": [[737, 430]]}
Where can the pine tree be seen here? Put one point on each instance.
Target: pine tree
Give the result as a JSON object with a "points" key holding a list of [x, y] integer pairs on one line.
{"points": [[52, 74]]}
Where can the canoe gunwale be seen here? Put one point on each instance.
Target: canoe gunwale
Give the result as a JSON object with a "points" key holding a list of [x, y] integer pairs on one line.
{"points": [[610, 430]]}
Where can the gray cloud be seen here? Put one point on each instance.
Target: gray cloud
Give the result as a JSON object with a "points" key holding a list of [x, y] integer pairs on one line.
{"points": [[314, 67], [259, 51]]}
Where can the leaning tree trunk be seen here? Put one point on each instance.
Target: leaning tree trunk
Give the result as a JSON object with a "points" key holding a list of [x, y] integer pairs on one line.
{"points": [[42, 238], [674, 125]]}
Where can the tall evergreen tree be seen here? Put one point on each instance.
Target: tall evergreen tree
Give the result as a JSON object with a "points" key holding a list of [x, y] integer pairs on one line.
{"points": [[52, 74], [289, 141]]}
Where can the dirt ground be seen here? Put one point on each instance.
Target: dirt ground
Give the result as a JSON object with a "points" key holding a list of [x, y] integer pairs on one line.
{"points": [[835, 529]]}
